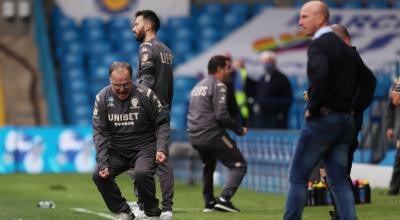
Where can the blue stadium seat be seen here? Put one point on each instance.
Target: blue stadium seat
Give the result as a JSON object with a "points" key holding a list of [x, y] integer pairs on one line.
{"points": [[239, 9], [179, 22], [182, 47], [178, 116], [377, 4], [396, 4], [77, 97], [164, 34], [213, 9], [355, 4], [117, 23], [63, 23], [67, 35], [233, 21], [205, 20], [99, 74], [184, 83], [205, 44], [92, 23], [299, 3], [73, 47], [94, 34], [210, 34], [73, 73], [71, 60], [100, 47], [117, 34], [80, 115], [109, 58], [126, 46], [178, 59], [183, 34]]}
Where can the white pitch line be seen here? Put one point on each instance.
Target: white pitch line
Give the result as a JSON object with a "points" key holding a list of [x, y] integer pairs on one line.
{"points": [[103, 215]]}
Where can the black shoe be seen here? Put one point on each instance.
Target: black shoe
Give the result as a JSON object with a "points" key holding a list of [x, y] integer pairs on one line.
{"points": [[392, 192], [334, 215], [209, 207], [226, 206]]}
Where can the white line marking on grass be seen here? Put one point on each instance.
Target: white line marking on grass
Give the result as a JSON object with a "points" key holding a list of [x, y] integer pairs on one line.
{"points": [[103, 215], [187, 209]]}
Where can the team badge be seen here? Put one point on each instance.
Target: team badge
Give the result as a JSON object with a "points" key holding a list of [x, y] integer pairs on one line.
{"points": [[145, 57], [110, 102], [134, 103]]}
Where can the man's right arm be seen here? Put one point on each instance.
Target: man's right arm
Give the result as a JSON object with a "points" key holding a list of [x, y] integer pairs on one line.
{"points": [[100, 132], [318, 78], [147, 66], [221, 112]]}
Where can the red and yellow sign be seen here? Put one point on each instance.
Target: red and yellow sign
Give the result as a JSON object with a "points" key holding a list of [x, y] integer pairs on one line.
{"points": [[115, 6], [285, 41]]}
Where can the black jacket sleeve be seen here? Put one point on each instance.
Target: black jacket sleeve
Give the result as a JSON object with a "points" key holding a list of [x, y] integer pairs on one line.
{"points": [[318, 64], [147, 67], [100, 131], [366, 86], [221, 112]]}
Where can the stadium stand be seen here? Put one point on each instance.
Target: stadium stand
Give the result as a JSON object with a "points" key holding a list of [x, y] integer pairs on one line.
{"points": [[84, 51]]}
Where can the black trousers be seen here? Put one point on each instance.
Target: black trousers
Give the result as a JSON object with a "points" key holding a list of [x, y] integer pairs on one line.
{"points": [[144, 166], [165, 174], [225, 150], [358, 121], [395, 181]]}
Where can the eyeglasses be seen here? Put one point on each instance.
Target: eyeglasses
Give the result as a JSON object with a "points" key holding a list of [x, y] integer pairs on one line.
{"points": [[124, 85]]}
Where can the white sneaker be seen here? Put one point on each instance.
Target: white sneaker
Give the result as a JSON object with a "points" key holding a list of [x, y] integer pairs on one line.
{"points": [[167, 215], [125, 216]]}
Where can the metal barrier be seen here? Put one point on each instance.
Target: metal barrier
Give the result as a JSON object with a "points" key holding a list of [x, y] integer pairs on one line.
{"points": [[268, 154]]}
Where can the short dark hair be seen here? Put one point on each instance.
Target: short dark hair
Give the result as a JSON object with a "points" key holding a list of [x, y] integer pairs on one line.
{"points": [[215, 62], [151, 16], [120, 65], [341, 31]]}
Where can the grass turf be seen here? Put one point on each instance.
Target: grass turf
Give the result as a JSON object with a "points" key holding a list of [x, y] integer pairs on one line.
{"points": [[20, 193]]}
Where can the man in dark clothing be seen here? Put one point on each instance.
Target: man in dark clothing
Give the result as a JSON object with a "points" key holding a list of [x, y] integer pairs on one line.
{"points": [[207, 120], [130, 131], [364, 94], [332, 76], [236, 83], [273, 96], [363, 98], [392, 133], [155, 72]]}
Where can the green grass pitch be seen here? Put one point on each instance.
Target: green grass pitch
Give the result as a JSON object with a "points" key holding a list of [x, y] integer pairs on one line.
{"points": [[20, 193]]}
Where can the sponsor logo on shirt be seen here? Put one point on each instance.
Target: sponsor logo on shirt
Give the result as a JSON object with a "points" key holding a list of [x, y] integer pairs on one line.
{"points": [[123, 119], [199, 91]]}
